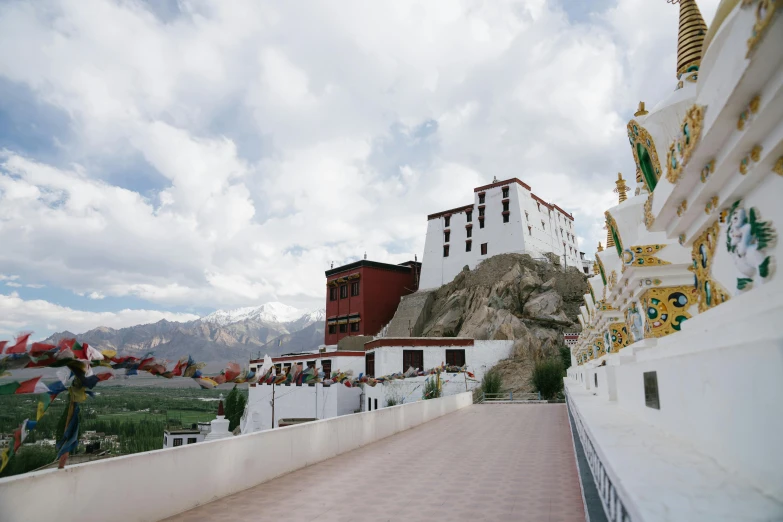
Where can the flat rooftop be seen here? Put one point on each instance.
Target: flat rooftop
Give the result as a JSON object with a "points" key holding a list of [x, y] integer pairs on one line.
{"points": [[483, 462]]}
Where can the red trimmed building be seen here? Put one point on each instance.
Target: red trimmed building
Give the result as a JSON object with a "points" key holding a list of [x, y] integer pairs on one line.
{"points": [[361, 297]]}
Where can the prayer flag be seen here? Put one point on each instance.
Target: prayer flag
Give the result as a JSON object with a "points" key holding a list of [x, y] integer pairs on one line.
{"points": [[20, 346]]}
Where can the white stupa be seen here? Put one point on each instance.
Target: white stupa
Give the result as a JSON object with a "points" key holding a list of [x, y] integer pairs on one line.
{"points": [[219, 426]]}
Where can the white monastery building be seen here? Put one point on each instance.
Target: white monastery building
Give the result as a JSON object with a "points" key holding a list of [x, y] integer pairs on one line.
{"points": [[505, 217]]}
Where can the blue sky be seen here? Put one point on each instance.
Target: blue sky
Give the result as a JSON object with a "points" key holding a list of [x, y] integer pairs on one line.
{"points": [[165, 159]]}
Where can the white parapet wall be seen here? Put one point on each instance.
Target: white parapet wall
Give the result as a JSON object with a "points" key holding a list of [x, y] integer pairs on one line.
{"points": [[158, 484]]}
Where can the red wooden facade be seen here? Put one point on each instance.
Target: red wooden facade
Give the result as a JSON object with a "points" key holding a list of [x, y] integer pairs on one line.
{"points": [[361, 297]]}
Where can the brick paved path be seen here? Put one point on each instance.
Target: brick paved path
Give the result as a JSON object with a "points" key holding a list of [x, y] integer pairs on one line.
{"points": [[485, 462]]}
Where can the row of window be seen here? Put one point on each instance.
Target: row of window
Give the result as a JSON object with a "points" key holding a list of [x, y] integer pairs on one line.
{"points": [[343, 328], [415, 359], [178, 441], [343, 289], [468, 248], [325, 364]]}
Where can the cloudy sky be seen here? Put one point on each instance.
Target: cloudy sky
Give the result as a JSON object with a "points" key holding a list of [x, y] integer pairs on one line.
{"points": [[163, 159]]}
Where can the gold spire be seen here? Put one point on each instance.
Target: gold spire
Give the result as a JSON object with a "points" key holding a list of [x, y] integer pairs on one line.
{"points": [[600, 248], [641, 110], [622, 188], [691, 36], [596, 270]]}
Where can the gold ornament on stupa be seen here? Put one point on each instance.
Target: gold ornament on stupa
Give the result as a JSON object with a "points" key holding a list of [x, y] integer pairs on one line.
{"points": [[641, 110], [600, 248], [622, 188]]}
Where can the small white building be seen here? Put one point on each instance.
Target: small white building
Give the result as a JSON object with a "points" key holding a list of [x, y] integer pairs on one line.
{"points": [[176, 438], [505, 217], [391, 355]]}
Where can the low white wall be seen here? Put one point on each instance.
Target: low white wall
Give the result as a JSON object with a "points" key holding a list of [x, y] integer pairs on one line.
{"points": [[158, 484]]}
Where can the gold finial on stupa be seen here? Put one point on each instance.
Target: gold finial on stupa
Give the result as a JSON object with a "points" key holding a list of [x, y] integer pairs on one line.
{"points": [[622, 188], [640, 111], [690, 38], [600, 248], [596, 270]]}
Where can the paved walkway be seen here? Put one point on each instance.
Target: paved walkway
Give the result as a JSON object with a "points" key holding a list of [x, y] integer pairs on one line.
{"points": [[485, 462]]}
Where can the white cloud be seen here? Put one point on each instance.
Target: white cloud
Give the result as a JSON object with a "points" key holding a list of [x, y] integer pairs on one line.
{"points": [[285, 140], [17, 314]]}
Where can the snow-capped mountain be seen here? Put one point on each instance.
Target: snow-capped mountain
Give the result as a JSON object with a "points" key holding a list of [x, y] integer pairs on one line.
{"points": [[269, 312]]}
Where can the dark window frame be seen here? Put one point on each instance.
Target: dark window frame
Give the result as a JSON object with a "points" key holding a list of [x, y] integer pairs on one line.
{"points": [[469, 215], [369, 364], [354, 288], [505, 192], [343, 328], [177, 442], [506, 218], [355, 327], [505, 206], [481, 198], [446, 220], [469, 232], [332, 328], [484, 248], [446, 236], [333, 293], [414, 358], [192, 440], [455, 357], [343, 291], [445, 250], [468, 246]]}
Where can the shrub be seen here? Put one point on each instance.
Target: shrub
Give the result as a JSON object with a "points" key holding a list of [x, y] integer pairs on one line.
{"points": [[548, 377], [431, 388], [393, 400], [492, 382], [565, 355]]}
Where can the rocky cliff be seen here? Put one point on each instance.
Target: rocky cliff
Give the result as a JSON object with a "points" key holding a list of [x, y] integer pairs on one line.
{"points": [[509, 296]]}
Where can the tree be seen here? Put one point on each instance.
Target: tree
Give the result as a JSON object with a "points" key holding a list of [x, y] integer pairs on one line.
{"points": [[235, 408], [565, 355], [547, 377]]}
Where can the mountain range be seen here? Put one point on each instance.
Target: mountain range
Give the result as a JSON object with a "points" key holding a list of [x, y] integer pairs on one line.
{"points": [[224, 335]]}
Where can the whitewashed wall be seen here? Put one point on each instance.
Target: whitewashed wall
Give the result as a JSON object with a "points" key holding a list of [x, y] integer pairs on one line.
{"points": [[159, 484], [480, 357], [316, 402]]}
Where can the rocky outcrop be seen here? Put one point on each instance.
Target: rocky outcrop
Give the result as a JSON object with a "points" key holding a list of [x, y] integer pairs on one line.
{"points": [[509, 296]]}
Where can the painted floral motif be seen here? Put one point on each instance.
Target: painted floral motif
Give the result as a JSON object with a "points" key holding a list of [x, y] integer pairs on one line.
{"points": [[710, 292], [747, 240], [619, 336], [682, 147], [599, 350], [765, 10], [643, 255], [607, 342], [649, 219], [633, 318], [666, 309]]}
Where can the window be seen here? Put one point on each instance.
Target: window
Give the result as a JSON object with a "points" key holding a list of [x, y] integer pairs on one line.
{"points": [[375, 403], [278, 368], [651, 399], [543, 225], [333, 293], [526, 215], [177, 442], [468, 245], [446, 236], [481, 198], [505, 192], [354, 327], [165, 441], [355, 288], [529, 230], [369, 404], [445, 250], [561, 231], [481, 212], [469, 231], [481, 224], [483, 249], [412, 358], [505, 218], [343, 291], [326, 366], [369, 364], [539, 206], [343, 328], [287, 368], [311, 364], [469, 215], [332, 328], [447, 220], [505, 206], [455, 358], [191, 440]]}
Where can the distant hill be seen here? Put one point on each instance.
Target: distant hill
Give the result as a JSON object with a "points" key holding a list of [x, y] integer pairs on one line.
{"points": [[236, 335]]}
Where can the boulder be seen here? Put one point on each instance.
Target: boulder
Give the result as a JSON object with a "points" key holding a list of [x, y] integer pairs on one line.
{"points": [[546, 307]]}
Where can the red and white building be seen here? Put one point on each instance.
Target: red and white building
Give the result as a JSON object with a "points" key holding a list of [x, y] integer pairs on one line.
{"points": [[504, 217], [361, 297]]}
